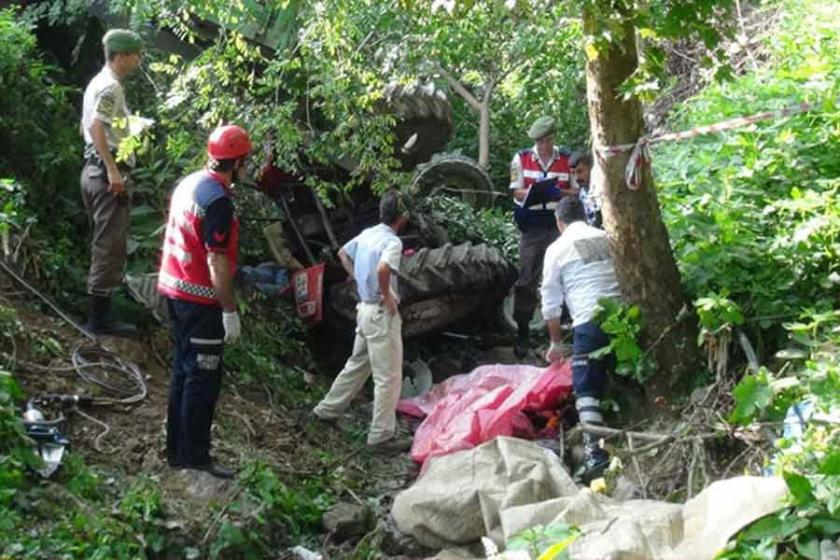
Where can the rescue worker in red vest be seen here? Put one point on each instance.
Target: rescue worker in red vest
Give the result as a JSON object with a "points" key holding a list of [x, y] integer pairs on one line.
{"points": [[196, 275], [543, 161]]}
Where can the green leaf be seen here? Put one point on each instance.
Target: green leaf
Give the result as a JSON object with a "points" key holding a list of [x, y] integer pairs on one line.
{"points": [[827, 526], [765, 527], [752, 395], [775, 526], [831, 464], [800, 488], [809, 547]]}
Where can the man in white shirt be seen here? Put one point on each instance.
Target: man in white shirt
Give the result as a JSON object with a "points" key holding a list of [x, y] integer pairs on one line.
{"points": [[104, 181], [372, 259], [578, 271]]}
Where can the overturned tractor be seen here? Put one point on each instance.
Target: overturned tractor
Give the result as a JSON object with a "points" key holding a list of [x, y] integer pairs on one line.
{"points": [[440, 283]]}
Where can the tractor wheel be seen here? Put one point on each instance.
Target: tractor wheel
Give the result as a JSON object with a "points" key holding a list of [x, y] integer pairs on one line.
{"points": [[457, 176], [440, 286], [424, 121]]}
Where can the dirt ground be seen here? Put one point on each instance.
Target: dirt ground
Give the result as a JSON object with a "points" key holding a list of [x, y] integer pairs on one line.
{"points": [[258, 423], [122, 441]]}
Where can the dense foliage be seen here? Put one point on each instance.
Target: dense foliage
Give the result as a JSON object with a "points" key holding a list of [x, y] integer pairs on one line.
{"points": [[36, 116], [478, 225], [753, 214], [754, 219], [320, 98], [39, 158], [808, 455]]}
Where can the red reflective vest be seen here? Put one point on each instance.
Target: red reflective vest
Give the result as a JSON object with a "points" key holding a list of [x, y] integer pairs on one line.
{"points": [[541, 216], [184, 273], [532, 170]]}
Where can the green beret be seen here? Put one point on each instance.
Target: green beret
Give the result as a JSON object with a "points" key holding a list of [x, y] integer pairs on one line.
{"points": [[122, 41], [543, 126]]}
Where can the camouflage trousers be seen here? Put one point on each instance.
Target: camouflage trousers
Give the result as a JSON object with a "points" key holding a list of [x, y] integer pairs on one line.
{"points": [[108, 219], [532, 246]]}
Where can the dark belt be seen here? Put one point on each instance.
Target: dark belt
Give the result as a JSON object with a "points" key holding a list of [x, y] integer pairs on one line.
{"points": [[94, 160], [97, 161]]}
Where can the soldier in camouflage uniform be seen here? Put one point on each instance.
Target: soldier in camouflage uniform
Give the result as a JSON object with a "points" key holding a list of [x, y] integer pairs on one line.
{"points": [[105, 182]]}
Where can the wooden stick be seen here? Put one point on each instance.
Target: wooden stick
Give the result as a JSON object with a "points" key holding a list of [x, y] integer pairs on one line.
{"points": [[645, 436], [325, 220], [298, 234], [642, 479]]}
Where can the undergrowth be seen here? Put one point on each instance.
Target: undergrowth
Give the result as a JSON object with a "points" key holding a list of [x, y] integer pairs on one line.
{"points": [[272, 350], [84, 512], [464, 222], [754, 218], [807, 455], [754, 212]]}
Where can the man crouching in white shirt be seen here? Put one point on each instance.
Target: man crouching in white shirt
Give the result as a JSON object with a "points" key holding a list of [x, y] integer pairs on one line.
{"points": [[578, 271], [372, 259]]}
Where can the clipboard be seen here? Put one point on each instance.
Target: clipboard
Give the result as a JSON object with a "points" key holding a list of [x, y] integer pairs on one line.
{"points": [[541, 192]]}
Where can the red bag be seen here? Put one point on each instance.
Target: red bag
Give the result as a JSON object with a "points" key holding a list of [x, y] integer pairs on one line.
{"points": [[308, 286]]}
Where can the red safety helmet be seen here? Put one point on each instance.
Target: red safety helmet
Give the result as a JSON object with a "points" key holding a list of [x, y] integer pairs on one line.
{"points": [[228, 142]]}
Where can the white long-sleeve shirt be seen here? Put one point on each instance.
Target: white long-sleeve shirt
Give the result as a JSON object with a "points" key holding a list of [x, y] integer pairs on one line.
{"points": [[577, 270]]}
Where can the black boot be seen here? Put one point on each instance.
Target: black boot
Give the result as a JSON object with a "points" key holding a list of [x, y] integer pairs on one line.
{"points": [[595, 459], [523, 341], [101, 323]]}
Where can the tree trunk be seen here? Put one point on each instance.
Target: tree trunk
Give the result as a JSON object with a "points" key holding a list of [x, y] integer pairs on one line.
{"points": [[484, 134], [644, 262], [483, 108]]}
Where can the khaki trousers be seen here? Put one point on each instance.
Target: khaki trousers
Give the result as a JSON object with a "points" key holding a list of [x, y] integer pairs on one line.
{"points": [[108, 217], [377, 349]]}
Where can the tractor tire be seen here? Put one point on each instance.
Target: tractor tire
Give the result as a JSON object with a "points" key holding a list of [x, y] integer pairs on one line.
{"points": [[440, 286], [455, 175], [424, 121]]}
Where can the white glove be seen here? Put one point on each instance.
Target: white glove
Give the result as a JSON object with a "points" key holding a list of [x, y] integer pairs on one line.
{"points": [[233, 328], [556, 352]]}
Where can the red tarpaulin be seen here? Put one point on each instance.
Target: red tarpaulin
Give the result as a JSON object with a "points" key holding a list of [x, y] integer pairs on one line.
{"points": [[469, 409]]}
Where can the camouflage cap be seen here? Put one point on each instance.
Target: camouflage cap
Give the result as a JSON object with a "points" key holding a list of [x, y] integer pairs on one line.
{"points": [[543, 126], [122, 41]]}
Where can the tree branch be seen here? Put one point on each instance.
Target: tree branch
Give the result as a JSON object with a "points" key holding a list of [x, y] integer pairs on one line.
{"points": [[459, 88], [645, 436], [488, 91]]}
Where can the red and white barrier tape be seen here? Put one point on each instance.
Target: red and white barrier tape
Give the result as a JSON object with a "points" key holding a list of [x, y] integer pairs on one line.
{"points": [[640, 150]]}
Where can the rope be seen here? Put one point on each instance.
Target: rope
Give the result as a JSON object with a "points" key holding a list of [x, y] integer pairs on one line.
{"points": [[97, 443], [640, 150], [120, 378], [10, 271]]}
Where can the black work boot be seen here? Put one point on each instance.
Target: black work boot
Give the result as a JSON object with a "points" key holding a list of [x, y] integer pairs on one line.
{"points": [[212, 468], [396, 444], [100, 322], [595, 459], [215, 469], [523, 341]]}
